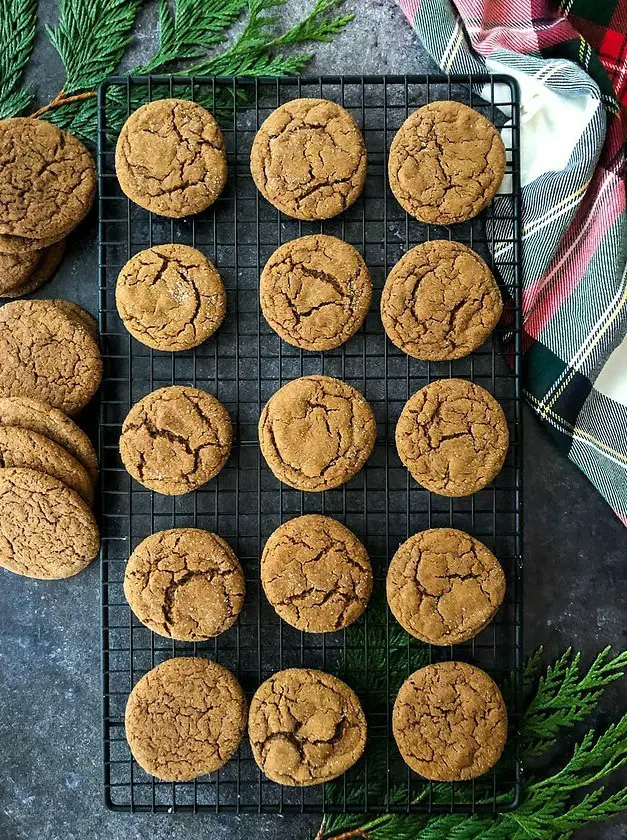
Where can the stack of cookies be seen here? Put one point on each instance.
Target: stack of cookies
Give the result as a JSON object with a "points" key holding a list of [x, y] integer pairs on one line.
{"points": [[50, 367], [47, 185]]}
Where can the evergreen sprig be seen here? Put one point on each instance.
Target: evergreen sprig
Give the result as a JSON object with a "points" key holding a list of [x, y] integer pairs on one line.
{"points": [[17, 35], [553, 805]]}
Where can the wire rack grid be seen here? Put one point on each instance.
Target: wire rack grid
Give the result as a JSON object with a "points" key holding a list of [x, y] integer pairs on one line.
{"points": [[243, 364]]}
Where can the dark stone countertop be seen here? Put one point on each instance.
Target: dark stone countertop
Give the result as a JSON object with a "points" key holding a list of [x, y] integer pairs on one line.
{"points": [[50, 724]]}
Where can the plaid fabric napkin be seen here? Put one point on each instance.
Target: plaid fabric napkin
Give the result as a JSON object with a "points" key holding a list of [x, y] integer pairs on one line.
{"points": [[571, 65]]}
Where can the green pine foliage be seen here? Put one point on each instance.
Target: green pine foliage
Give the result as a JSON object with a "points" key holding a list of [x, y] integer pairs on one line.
{"points": [[555, 802], [17, 35]]}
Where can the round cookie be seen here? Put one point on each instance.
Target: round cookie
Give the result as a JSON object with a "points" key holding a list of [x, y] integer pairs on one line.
{"points": [[440, 301], [450, 722], [444, 586], [316, 433], [24, 448], [47, 263], [46, 529], [446, 163], [316, 574], [170, 297], [37, 416], [44, 354], [185, 584], [308, 159], [47, 180], [315, 292], [16, 269], [170, 158], [175, 439], [185, 718], [306, 727], [452, 436]]}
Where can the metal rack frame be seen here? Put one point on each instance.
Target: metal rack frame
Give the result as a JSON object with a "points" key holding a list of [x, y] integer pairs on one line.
{"points": [[243, 364]]}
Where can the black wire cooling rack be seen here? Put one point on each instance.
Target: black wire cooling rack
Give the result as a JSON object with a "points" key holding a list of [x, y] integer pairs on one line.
{"points": [[243, 364]]}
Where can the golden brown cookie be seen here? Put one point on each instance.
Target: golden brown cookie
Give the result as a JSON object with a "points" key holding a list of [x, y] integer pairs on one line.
{"points": [[452, 436], [47, 262], [316, 433], [170, 158], [185, 584], [450, 722], [444, 586], [316, 574], [170, 297], [46, 529], [306, 727], [47, 180], [308, 159], [24, 448], [46, 355], [185, 718], [37, 416], [175, 439], [315, 292], [16, 269], [440, 301], [446, 163]]}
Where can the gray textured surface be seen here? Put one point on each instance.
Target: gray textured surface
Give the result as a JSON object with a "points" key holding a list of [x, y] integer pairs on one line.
{"points": [[50, 760]]}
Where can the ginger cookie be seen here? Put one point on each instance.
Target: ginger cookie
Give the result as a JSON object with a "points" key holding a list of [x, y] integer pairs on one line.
{"points": [[46, 529], [46, 263], [185, 584], [315, 292], [444, 586], [16, 269], [23, 448], [20, 245], [308, 159], [316, 574], [306, 727], [175, 439], [170, 158], [47, 355], [47, 180], [450, 722], [185, 718], [452, 436], [170, 297], [40, 417], [79, 315], [316, 433], [440, 301], [446, 163]]}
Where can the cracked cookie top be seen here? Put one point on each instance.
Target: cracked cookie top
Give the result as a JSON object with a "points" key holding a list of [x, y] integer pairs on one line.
{"points": [[47, 354], [308, 159], [446, 163], [170, 297], [185, 718], [305, 727], [444, 586], [452, 436], [315, 292], [450, 722], [47, 181], [176, 439], [170, 158], [46, 529], [440, 301], [37, 416], [48, 262], [316, 574], [185, 584], [316, 433]]}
